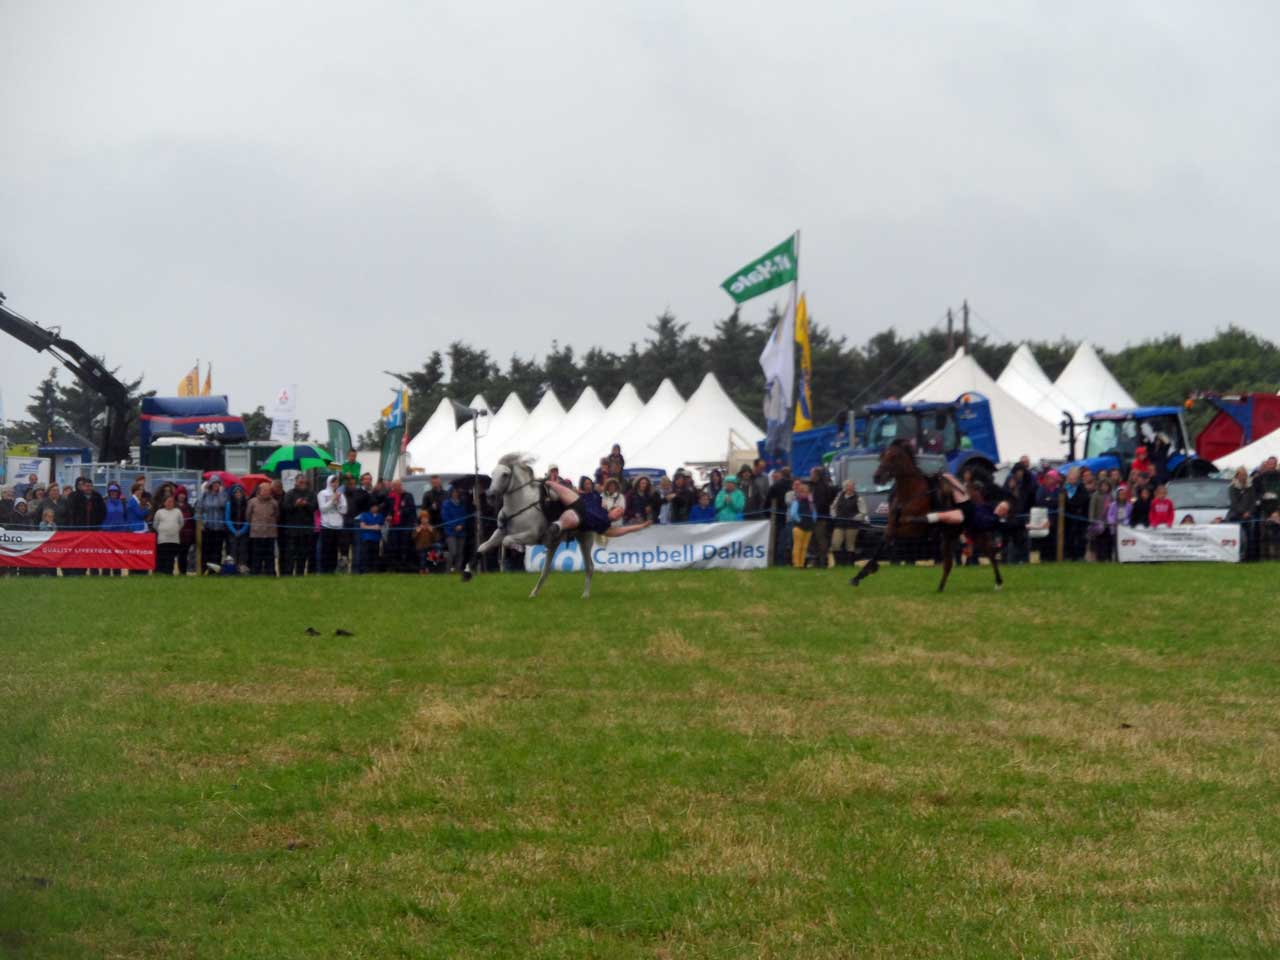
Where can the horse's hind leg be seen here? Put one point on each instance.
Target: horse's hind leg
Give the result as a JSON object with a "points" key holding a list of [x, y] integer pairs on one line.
{"points": [[584, 544], [550, 543], [948, 557]]}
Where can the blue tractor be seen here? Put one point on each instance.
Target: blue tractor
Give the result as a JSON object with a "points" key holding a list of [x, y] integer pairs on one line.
{"points": [[1112, 439], [946, 437]]}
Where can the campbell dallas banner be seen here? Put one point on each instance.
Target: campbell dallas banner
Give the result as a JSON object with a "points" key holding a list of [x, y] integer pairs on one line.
{"points": [[1218, 542], [741, 545]]}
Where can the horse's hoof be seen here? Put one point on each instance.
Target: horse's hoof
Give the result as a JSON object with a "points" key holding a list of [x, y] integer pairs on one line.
{"points": [[999, 587], [854, 581], [466, 576]]}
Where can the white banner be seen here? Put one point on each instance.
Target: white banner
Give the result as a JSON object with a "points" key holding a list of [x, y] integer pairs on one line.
{"points": [[740, 545], [286, 401], [281, 430], [1218, 542]]}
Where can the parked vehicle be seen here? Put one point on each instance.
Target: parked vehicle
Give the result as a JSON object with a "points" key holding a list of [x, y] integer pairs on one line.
{"points": [[1203, 499]]}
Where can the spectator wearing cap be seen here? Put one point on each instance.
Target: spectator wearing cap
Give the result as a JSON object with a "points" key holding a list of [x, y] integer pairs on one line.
{"points": [[730, 502]]}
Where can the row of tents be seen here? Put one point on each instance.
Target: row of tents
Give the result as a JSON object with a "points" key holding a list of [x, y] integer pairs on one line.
{"points": [[666, 432]]}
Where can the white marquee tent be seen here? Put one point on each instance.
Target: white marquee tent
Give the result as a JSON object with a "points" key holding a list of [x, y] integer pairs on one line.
{"points": [[495, 433], [699, 433], [586, 412], [1087, 380], [544, 422], [438, 430], [581, 454], [1023, 379], [1018, 430], [454, 455], [663, 408]]}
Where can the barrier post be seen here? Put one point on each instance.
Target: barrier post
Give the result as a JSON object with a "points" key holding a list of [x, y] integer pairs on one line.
{"points": [[199, 545], [1062, 521]]}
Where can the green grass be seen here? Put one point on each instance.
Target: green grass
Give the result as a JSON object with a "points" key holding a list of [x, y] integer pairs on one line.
{"points": [[688, 765]]}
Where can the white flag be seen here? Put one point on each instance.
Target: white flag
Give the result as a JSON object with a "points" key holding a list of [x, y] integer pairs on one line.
{"points": [[778, 361]]}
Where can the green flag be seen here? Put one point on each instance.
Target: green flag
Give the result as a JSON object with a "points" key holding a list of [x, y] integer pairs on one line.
{"points": [[775, 268]]}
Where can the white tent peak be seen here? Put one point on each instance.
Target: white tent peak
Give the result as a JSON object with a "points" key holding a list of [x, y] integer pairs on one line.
{"points": [[438, 429], [1018, 430], [577, 455], [1027, 383], [699, 433], [1087, 380]]}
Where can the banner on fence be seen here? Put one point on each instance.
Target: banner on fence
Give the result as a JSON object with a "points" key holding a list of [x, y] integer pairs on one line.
{"points": [[77, 549], [1218, 542], [686, 546]]}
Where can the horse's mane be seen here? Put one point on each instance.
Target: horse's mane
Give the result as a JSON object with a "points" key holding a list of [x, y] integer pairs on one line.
{"points": [[515, 459]]}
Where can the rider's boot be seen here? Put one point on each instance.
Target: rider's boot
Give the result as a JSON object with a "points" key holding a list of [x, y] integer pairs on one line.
{"points": [[553, 531]]}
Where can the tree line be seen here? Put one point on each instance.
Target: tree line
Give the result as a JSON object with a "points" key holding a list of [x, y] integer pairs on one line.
{"points": [[1164, 370]]}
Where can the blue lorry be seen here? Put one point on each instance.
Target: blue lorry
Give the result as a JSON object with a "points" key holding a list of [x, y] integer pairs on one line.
{"points": [[1112, 439]]}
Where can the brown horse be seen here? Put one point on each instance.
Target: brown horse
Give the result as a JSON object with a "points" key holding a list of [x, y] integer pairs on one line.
{"points": [[914, 495]]}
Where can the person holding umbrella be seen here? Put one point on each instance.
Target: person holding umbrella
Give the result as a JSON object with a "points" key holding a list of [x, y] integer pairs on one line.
{"points": [[299, 511]]}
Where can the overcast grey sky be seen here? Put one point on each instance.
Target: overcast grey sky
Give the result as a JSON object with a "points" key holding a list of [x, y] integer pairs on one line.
{"points": [[316, 192]]}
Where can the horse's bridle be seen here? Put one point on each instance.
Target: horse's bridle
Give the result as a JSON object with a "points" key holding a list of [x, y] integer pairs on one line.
{"points": [[531, 504]]}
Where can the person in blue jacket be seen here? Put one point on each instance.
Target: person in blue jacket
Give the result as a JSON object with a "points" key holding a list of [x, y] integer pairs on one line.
{"points": [[235, 519], [703, 511], [135, 511], [453, 514]]}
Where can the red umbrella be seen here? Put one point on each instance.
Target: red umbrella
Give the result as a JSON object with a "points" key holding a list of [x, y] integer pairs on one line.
{"points": [[250, 481], [227, 478]]}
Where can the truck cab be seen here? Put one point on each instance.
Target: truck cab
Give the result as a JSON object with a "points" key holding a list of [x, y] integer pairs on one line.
{"points": [[961, 432], [1114, 436]]}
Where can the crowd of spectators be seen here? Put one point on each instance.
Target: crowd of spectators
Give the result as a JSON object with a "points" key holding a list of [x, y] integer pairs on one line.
{"points": [[364, 525]]}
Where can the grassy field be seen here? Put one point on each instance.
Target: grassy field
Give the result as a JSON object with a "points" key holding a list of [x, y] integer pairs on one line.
{"points": [[688, 765]]}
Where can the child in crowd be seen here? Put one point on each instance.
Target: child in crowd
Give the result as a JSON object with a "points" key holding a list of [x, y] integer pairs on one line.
{"points": [[424, 535], [703, 511], [1161, 512], [48, 524], [370, 538]]}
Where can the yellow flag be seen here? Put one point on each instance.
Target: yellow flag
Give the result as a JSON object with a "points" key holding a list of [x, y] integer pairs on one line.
{"points": [[190, 384], [208, 382], [804, 408]]}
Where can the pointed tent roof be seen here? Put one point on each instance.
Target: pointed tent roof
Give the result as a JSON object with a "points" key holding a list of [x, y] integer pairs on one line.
{"points": [[700, 433], [1018, 430], [543, 422], [505, 425], [439, 428], [582, 416], [1087, 380], [576, 455], [663, 407], [1023, 379], [456, 454]]}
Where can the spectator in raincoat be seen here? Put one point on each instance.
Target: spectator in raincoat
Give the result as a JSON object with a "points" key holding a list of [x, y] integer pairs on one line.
{"points": [[730, 502]]}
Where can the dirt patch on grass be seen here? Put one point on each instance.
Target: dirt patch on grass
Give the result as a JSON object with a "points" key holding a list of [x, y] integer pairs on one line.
{"points": [[670, 646]]}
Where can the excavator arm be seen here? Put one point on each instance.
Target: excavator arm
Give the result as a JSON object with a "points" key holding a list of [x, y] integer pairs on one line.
{"points": [[87, 368]]}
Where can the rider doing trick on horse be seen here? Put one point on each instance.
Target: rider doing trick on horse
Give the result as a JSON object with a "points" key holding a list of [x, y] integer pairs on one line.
{"points": [[587, 511]]}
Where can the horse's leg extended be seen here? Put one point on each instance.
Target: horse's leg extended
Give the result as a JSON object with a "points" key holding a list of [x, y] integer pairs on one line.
{"points": [[989, 547], [495, 541], [550, 542], [948, 556], [872, 565]]}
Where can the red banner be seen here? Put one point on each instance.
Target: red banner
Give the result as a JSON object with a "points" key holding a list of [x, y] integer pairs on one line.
{"points": [[77, 549]]}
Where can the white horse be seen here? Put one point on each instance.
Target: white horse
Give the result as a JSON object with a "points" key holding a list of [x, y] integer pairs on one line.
{"points": [[522, 522]]}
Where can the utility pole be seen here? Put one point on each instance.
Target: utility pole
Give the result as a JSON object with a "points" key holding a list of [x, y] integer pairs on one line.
{"points": [[951, 340], [965, 314]]}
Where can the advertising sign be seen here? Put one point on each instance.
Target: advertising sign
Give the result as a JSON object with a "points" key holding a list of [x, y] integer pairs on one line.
{"points": [[1217, 542], [743, 545]]}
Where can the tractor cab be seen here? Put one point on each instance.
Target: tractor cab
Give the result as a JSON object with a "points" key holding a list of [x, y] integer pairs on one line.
{"points": [[1114, 437], [960, 432]]}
